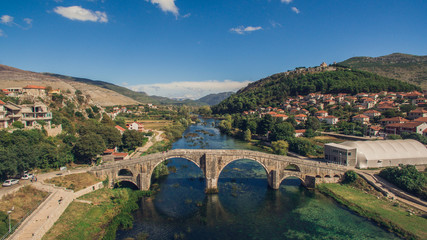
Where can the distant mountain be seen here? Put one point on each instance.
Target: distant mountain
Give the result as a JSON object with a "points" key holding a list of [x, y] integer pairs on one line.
{"points": [[213, 99], [12, 77], [141, 97], [273, 90], [405, 67]]}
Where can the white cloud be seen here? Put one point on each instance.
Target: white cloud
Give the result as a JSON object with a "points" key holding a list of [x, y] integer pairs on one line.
{"points": [[296, 10], [81, 14], [286, 1], [191, 90], [6, 19], [166, 6], [243, 29], [29, 21], [2, 33]]}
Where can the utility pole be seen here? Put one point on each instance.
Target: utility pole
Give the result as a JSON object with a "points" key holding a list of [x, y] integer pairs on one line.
{"points": [[8, 214]]}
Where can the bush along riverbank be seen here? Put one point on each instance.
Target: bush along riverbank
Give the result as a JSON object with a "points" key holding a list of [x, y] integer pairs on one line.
{"points": [[101, 214], [361, 198]]}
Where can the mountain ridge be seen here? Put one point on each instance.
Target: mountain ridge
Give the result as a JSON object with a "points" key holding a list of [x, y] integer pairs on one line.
{"points": [[405, 67]]}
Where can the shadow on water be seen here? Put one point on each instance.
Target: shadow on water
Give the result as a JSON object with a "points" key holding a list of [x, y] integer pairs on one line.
{"points": [[244, 208]]}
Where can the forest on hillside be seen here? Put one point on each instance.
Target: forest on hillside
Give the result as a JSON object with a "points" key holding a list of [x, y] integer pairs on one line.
{"points": [[271, 91]]}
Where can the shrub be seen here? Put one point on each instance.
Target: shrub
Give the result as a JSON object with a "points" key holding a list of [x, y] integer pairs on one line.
{"points": [[350, 176]]}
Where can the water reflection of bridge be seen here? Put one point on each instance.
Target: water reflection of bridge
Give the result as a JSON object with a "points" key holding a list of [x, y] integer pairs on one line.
{"points": [[212, 162]]}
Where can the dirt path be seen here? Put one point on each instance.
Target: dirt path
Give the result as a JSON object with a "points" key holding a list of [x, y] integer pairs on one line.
{"points": [[157, 137], [394, 192]]}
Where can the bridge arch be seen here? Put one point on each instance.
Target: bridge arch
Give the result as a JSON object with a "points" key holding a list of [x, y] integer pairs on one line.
{"points": [[288, 175], [245, 158], [125, 172], [126, 183], [171, 157], [292, 167]]}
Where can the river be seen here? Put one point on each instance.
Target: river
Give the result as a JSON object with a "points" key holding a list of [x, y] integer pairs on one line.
{"points": [[244, 208]]}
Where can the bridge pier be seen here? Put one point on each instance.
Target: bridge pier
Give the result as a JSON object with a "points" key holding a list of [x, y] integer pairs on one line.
{"points": [[274, 179]]}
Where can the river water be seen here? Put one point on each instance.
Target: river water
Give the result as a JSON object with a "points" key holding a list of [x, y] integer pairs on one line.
{"points": [[244, 208]]}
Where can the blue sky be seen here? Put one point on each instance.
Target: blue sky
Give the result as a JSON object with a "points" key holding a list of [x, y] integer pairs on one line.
{"points": [[188, 48]]}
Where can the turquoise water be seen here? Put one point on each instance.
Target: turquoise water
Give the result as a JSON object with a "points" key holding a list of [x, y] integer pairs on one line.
{"points": [[245, 207]]}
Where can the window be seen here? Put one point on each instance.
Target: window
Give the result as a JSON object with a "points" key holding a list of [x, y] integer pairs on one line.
{"points": [[349, 153]]}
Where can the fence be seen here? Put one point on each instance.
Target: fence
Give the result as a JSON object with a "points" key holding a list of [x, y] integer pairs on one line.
{"points": [[13, 228]]}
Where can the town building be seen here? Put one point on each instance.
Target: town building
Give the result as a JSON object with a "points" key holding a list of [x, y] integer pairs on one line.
{"points": [[386, 121], [417, 113], [372, 113], [376, 154], [361, 118], [29, 114], [408, 127]]}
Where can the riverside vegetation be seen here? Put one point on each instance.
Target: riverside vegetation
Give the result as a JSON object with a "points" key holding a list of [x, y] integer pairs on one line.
{"points": [[363, 199]]}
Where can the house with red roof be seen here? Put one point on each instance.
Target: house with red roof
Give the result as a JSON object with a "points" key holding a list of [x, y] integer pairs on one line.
{"points": [[372, 113], [299, 132], [386, 121], [301, 117], [321, 113], [331, 120], [421, 119], [121, 130], [283, 117], [136, 126], [361, 118], [34, 90], [417, 113], [374, 130], [409, 127]]}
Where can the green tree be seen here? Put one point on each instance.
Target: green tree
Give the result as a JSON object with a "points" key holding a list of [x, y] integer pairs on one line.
{"points": [[282, 131], [88, 147], [407, 107], [132, 139], [280, 147], [18, 124], [350, 176], [247, 135]]}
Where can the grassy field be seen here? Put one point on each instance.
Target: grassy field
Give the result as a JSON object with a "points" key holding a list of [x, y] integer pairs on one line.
{"points": [[86, 221], [23, 201], [391, 215], [156, 124], [74, 182]]}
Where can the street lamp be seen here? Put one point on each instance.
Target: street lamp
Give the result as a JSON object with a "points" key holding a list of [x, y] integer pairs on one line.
{"points": [[8, 214]]}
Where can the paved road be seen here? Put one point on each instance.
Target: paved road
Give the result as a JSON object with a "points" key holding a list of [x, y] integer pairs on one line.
{"points": [[42, 219]]}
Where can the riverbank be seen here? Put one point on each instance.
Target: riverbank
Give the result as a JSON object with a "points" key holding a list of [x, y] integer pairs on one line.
{"points": [[391, 215], [96, 215]]}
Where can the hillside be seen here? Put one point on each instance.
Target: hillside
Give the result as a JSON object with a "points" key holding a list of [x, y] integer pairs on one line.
{"points": [[404, 67], [213, 99], [141, 97], [13, 77], [273, 90]]}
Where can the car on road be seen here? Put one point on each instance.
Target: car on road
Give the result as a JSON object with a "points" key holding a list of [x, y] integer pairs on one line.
{"points": [[10, 182], [27, 176]]}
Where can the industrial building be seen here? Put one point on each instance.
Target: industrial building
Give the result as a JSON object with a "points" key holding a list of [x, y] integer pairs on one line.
{"points": [[376, 154]]}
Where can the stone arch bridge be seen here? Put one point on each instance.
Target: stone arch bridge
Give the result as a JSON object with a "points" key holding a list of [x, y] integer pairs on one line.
{"points": [[139, 170]]}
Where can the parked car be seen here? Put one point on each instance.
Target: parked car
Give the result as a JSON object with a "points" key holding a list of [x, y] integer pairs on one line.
{"points": [[10, 182], [27, 176]]}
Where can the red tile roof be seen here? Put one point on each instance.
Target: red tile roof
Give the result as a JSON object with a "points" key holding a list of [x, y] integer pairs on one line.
{"points": [[2, 103], [34, 87], [120, 128]]}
